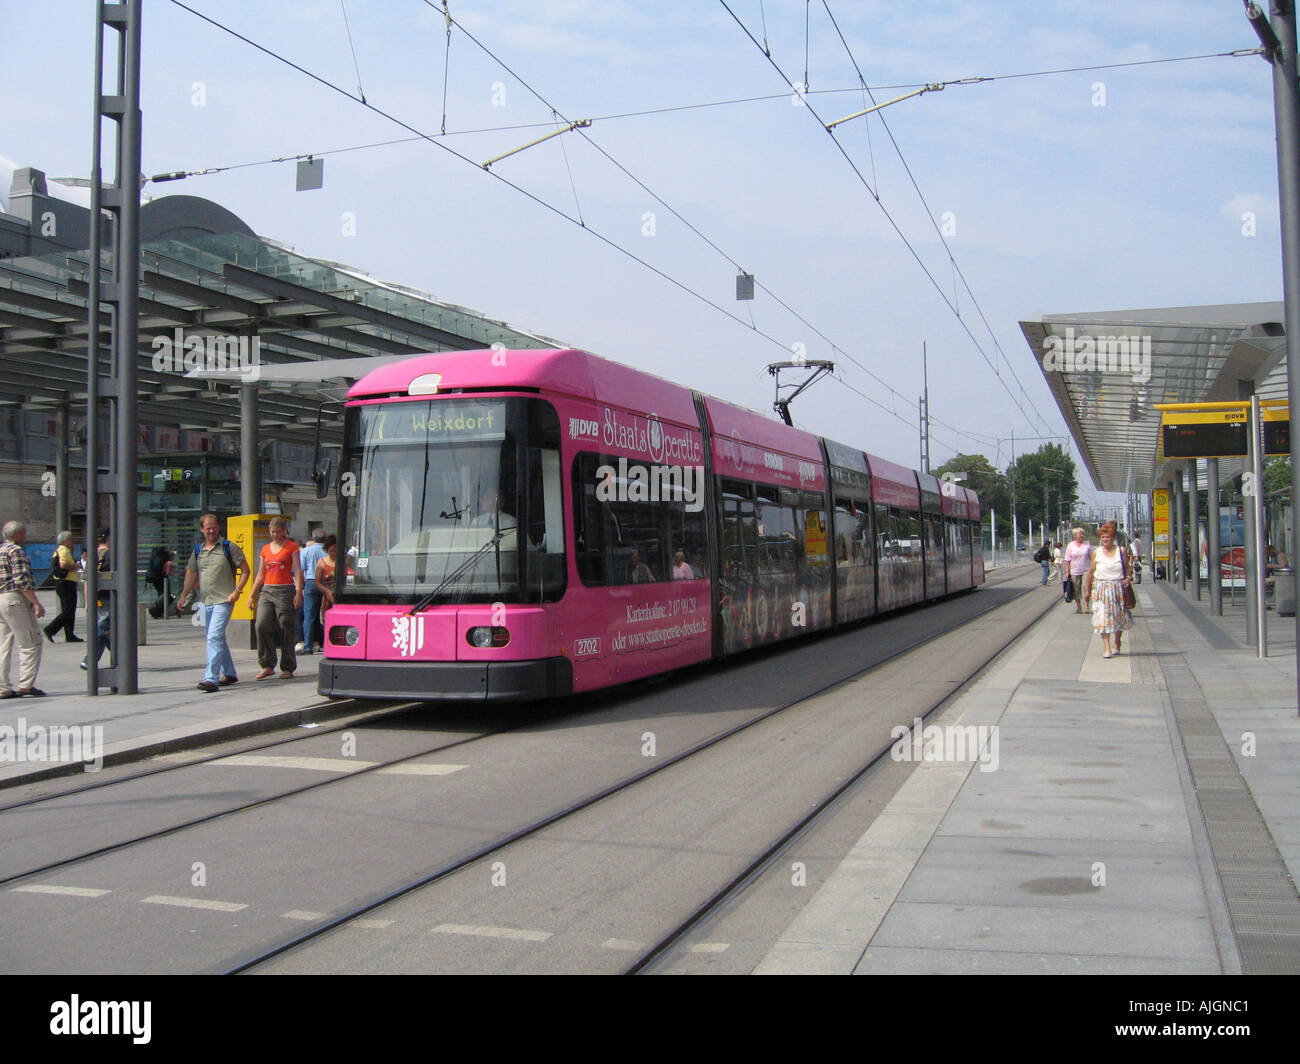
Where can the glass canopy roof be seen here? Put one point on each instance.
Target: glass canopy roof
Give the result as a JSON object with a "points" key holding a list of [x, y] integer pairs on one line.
{"points": [[1108, 370]]}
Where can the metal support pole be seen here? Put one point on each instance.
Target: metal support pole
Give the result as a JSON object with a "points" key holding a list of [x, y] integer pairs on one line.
{"points": [[1195, 500], [1261, 531], [62, 510], [1176, 547], [1286, 109], [250, 468], [1214, 566], [126, 268], [1252, 551]]}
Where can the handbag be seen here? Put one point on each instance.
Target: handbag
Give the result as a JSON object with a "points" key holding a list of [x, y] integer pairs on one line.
{"points": [[1069, 590], [1130, 597]]}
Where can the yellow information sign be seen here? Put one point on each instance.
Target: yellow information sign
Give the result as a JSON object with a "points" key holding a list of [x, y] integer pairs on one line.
{"points": [[1160, 525]]}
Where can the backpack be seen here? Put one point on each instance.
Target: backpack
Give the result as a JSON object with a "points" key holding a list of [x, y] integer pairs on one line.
{"points": [[225, 545], [1044, 554]]}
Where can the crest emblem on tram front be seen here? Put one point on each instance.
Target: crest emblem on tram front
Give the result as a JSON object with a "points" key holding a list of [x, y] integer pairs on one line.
{"points": [[408, 635]]}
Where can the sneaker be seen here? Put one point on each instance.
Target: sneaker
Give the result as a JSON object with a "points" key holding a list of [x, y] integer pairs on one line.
{"points": [[297, 648], [74, 639], [209, 686], [47, 634]]}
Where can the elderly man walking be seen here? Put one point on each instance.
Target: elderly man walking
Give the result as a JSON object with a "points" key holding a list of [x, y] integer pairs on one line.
{"points": [[19, 611]]}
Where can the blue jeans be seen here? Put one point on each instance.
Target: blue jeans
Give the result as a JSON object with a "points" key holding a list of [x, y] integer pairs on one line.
{"points": [[1045, 566], [220, 663], [309, 623], [104, 628]]}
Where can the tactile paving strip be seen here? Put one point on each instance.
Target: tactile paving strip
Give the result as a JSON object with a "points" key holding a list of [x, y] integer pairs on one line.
{"points": [[1263, 906]]}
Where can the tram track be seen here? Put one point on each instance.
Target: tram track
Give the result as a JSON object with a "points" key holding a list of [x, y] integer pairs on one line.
{"points": [[497, 848], [12, 878], [672, 945], [257, 957]]}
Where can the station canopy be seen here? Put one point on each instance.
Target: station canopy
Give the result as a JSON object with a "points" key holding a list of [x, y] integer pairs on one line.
{"points": [[1108, 370], [307, 314]]}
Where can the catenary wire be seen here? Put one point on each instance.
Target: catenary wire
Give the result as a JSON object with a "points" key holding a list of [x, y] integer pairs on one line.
{"points": [[890, 218], [536, 199]]}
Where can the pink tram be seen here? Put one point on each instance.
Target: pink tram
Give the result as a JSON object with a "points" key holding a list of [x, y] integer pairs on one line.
{"points": [[527, 524]]}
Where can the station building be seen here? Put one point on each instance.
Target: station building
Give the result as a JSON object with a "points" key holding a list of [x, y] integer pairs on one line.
{"points": [[314, 325]]}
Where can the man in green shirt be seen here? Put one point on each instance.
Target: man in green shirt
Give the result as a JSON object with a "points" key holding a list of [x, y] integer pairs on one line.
{"points": [[214, 565]]}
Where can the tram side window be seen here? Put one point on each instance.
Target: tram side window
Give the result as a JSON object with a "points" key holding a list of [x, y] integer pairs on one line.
{"points": [[933, 536], [618, 540], [780, 537], [739, 528], [853, 544], [886, 543], [909, 532]]}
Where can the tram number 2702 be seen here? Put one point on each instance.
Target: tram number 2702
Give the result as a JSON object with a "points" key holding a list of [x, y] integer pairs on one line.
{"points": [[583, 648]]}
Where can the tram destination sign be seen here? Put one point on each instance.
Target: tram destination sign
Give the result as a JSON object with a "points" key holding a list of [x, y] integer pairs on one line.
{"points": [[1222, 433]]}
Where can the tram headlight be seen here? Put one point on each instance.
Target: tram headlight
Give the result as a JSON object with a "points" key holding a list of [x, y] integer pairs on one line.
{"points": [[484, 637], [345, 635]]}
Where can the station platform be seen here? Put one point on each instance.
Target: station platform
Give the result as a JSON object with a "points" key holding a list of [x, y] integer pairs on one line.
{"points": [[169, 712], [1142, 815]]}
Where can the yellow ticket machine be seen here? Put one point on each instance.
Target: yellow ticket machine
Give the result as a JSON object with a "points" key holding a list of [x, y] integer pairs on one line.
{"points": [[250, 533]]}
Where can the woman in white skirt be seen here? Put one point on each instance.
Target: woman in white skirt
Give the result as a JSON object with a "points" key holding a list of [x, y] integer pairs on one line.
{"points": [[1104, 591]]}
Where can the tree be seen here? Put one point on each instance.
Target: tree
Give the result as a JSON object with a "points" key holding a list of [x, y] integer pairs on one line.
{"points": [[1046, 485], [983, 479], [1277, 475]]}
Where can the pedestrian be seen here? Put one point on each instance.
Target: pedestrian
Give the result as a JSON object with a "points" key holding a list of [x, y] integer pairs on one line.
{"points": [[1136, 550], [1108, 577], [324, 578], [276, 600], [311, 555], [20, 609], [65, 586], [220, 571], [637, 570], [103, 604], [160, 568], [1078, 557], [1044, 558], [1056, 561]]}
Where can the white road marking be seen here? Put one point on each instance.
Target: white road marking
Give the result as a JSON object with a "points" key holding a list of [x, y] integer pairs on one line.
{"points": [[50, 888], [422, 769], [316, 764], [711, 947], [371, 922], [195, 903], [493, 932], [302, 914], [623, 944]]}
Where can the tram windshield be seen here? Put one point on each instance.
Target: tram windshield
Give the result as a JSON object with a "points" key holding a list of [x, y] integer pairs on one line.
{"points": [[452, 500]]}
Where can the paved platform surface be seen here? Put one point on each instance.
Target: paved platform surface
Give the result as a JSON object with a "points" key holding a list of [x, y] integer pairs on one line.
{"points": [[1143, 816], [169, 712]]}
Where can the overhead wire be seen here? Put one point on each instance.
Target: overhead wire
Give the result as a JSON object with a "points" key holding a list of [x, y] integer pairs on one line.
{"points": [[676, 214], [890, 218], [764, 98], [930, 214], [510, 184]]}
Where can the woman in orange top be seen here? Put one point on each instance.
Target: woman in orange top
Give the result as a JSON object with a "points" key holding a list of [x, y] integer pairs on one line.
{"points": [[325, 569], [277, 599]]}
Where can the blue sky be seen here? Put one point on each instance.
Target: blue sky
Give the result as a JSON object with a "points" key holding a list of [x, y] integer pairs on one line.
{"points": [[1082, 191]]}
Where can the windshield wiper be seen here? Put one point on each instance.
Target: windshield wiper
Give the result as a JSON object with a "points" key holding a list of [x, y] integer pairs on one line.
{"points": [[458, 572]]}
